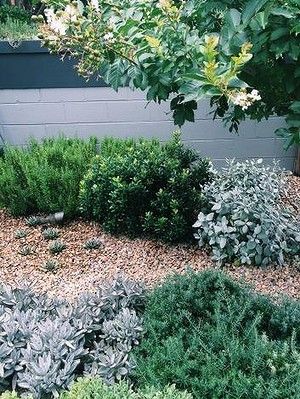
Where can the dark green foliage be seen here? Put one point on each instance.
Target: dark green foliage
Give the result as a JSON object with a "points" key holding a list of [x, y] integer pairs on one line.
{"points": [[44, 177], [46, 343], [219, 340], [143, 187], [14, 13]]}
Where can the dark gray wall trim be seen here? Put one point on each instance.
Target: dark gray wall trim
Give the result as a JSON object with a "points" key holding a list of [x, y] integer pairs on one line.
{"points": [[26, 46], [30, 66]]}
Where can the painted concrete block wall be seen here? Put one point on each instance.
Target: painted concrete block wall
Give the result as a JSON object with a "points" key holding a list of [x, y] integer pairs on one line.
{"points": [[102, 112]]}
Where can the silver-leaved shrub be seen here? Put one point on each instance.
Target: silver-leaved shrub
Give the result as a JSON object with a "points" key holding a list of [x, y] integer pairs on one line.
{"points": [[46, 343], [245, 219]]}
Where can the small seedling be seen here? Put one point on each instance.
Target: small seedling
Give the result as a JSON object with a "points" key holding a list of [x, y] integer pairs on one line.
{"points": [[93, 243], [33, 221], [50, 234], [51, 265], [25, 250], [57, 246], [21, 234]]}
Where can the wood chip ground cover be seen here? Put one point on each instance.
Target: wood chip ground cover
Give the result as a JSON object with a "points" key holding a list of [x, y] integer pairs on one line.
{"points": [[82, 270]]}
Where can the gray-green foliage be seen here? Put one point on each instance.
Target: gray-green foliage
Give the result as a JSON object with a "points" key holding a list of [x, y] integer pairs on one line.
{"points": [[20, 234], [93, 243], [93, 388], [244, 218], [51, 265], [9, 395], [25, 250], [50, 234], [46, 343], [57, 246], [33, 221], [14, 30]]}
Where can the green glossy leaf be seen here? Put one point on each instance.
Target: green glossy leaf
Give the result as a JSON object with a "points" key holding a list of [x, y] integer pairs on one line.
{"points": [[283, 12], [252, 7]]}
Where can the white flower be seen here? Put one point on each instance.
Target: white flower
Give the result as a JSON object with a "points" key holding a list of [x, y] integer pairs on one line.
{"points": [[244, 99], [95, 4], [50, 15], [255, 95], [112, 21], [109, 38], [71, 13], [57, 24]]}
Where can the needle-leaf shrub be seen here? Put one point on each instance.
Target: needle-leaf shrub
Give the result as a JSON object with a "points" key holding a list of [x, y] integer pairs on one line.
{"points": [[46, 343], [44, 177], [144, 187], [244, 219], [218, 339]]}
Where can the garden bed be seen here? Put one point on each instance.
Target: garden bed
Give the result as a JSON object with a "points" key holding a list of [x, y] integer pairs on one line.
{"points": [[82, 270]]}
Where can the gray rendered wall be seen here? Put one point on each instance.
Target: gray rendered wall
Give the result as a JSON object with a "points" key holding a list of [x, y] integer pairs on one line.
{"points": [[102, 112]]}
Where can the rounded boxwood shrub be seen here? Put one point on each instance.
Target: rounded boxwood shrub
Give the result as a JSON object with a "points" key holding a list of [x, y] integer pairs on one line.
{"points": [[217, 339], [144, 187]]}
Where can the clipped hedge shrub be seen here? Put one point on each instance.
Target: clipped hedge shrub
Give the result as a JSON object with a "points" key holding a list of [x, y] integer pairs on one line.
{"points": [[244, 219], [144, 187], [46, 343], [44, 177], [218, 339]]}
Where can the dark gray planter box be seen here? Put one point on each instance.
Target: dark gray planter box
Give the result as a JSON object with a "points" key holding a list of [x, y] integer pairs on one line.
{"points": [[30, 66]]}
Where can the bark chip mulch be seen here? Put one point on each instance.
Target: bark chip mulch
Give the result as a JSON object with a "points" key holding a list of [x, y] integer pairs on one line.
{"points": [[83, 270]]}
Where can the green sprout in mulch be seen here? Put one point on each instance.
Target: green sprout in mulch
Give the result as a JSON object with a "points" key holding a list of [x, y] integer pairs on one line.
{"points": [[50, 234], [93, 243], [57, 246], [25, 250], [20, 234], [51, 265]]}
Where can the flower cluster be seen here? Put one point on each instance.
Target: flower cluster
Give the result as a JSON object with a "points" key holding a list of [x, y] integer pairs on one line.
{"points": [[244, 99], [95, 4], [109, 38], [58, 22]]}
